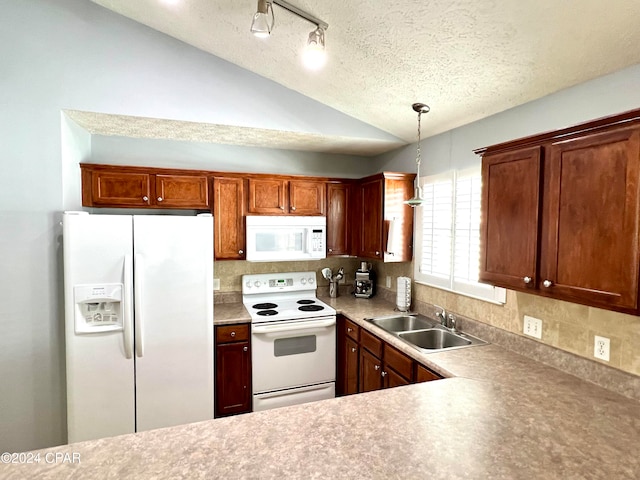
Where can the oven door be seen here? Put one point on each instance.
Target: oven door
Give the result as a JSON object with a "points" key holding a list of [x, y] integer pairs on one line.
{"points": [[296, 353]]}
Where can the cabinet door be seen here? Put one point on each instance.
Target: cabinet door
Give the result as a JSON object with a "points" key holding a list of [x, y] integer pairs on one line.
{"points": [[370, 377], [268, 196], [397, 230], [306, 198], [370, 245], [233, 378], [182, 191], [120, 189], [393, 379], [590, 243], [423, 374], [337, 219], [351, 355], [509, 228], [229, 217]]}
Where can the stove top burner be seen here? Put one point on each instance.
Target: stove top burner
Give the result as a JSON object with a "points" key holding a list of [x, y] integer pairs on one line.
{"points": [[263, 306], [267, 313], [305, 302], [311, 308]]}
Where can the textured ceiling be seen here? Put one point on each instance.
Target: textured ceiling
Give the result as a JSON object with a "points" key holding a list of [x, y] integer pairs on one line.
{"points": [[141, 127], [467, 59]]}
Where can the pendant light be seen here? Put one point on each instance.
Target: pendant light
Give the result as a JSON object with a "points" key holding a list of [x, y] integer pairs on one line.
{"points": [[417, 199]]}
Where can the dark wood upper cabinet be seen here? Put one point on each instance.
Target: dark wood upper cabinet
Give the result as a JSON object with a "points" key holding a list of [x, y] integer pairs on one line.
{"points": [[590, 242], [307, 197], [561, 214], [117, 189], [279, 196], [338, 209], [135, 187], [385, 222], [268, 196], [509, 228], [182, 191], [229, 205]]}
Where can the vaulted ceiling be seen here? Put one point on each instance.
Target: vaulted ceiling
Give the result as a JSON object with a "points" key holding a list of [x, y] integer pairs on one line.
{"points": [[467, 59]]}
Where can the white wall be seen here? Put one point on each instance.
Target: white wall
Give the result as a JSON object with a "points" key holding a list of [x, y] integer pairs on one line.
{"points": [[614, 93], [73, 54]]}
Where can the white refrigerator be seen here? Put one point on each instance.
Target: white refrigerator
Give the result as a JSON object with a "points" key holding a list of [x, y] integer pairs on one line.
{"points": [[138, 322]]}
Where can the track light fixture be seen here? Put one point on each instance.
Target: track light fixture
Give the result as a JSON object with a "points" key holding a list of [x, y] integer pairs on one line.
{"points": [[264, 20]]}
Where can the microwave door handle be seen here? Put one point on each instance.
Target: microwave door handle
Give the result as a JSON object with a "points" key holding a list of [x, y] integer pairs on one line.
{"points": [[292, 328]]}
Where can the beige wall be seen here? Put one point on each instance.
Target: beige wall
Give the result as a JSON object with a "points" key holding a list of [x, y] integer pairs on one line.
{"points": [[568, 326]]}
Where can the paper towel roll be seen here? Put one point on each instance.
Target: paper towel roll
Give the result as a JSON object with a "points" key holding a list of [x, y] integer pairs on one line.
{"points": [[403, 296]]}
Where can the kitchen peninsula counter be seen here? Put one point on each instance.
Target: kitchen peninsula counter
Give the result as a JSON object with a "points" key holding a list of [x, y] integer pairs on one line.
{"points": [[503, 416]]}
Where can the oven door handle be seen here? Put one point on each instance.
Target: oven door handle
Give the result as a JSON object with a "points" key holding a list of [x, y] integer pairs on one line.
{"points": [[264, 329]]}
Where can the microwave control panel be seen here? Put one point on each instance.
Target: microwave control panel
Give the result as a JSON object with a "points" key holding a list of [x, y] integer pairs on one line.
{"points": [[317, 241]]}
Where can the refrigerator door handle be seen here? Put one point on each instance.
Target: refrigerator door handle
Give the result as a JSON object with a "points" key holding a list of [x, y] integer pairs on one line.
{"points": [[128, 306], [137, 289]]}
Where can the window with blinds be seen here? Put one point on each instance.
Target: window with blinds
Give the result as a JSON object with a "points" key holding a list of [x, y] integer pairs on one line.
{"points": [[448, 233]]}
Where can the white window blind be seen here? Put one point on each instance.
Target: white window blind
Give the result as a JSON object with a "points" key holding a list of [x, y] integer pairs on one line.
{"points": [[448, 231]]}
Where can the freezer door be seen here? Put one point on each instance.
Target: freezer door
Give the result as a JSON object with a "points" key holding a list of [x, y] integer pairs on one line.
{"points": [[173, 286], [100, 377]]}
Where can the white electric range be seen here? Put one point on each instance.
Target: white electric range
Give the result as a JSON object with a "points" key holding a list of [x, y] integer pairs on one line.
{"points": [[293, 337]]}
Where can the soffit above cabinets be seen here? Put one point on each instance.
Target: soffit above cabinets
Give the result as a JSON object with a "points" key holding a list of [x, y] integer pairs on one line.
{"points": [[155, 128], [466, 59]]}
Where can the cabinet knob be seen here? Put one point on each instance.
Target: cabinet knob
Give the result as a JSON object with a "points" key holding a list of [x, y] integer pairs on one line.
{"points": [[527, 279], [349, 329], [240, 252], [281, 207], [145, 198], [384, 374], [330, 250], [377, 253], [377, 367], [547, 283], [245, 349], [233, 334], [159, 199], [293, 209], [353, 349]]}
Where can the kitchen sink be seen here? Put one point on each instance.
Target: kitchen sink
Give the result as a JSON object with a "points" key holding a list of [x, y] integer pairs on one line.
{"points": [[434, 339], [424, 334], [402, 323]]}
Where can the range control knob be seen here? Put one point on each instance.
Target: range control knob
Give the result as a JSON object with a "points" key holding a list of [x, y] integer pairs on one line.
{"points": [[311, 280], [257, 283], [303, 281], [248, 284]]}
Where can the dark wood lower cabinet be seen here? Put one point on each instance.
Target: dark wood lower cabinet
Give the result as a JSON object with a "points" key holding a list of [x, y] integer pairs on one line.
{"points": [[366, 362], [233, 370]]}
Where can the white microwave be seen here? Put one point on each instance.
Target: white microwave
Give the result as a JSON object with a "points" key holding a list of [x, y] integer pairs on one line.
{"points": [[285, 238]]}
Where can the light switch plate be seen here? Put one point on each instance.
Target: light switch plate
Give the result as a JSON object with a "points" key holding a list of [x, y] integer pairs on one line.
{"points": [[216, 284], [532, 327], [388, 281]]}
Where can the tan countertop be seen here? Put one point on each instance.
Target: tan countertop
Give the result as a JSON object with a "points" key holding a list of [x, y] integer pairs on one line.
{"points": [[504, 416]]}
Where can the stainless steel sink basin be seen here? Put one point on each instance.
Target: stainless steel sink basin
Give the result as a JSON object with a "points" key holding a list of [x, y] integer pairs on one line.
{"points": [[434, 339], [424, 334], [402, 323]]}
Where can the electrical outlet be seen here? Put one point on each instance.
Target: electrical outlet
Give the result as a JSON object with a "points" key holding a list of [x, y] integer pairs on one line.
{"points": [[601, 348], [532, 327], [388, 281], [216, 284]]}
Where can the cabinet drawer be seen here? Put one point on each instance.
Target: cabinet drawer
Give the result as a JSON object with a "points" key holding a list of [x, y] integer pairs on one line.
{"points": [[232, 333], [351, 329], [371, 343], [398, 361]]}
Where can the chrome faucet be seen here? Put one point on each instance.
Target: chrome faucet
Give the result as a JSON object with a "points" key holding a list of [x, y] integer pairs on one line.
{"points": [[448, 321]]}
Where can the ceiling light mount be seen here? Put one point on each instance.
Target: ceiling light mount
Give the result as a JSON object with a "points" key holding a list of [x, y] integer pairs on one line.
{"points": [[263, 23], [417, 199]]}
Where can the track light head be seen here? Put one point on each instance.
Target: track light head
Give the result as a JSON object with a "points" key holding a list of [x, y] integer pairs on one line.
{"points": [[263, 19]]}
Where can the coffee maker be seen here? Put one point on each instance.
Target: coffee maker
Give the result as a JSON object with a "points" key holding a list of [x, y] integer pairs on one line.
{"points": [[365, 282]]}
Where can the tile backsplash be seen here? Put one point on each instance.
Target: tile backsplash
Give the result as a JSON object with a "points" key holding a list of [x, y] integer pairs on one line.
{"points": [[568, 326]]}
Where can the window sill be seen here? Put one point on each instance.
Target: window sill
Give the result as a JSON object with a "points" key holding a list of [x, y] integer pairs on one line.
{"points": [[463, 294]]}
